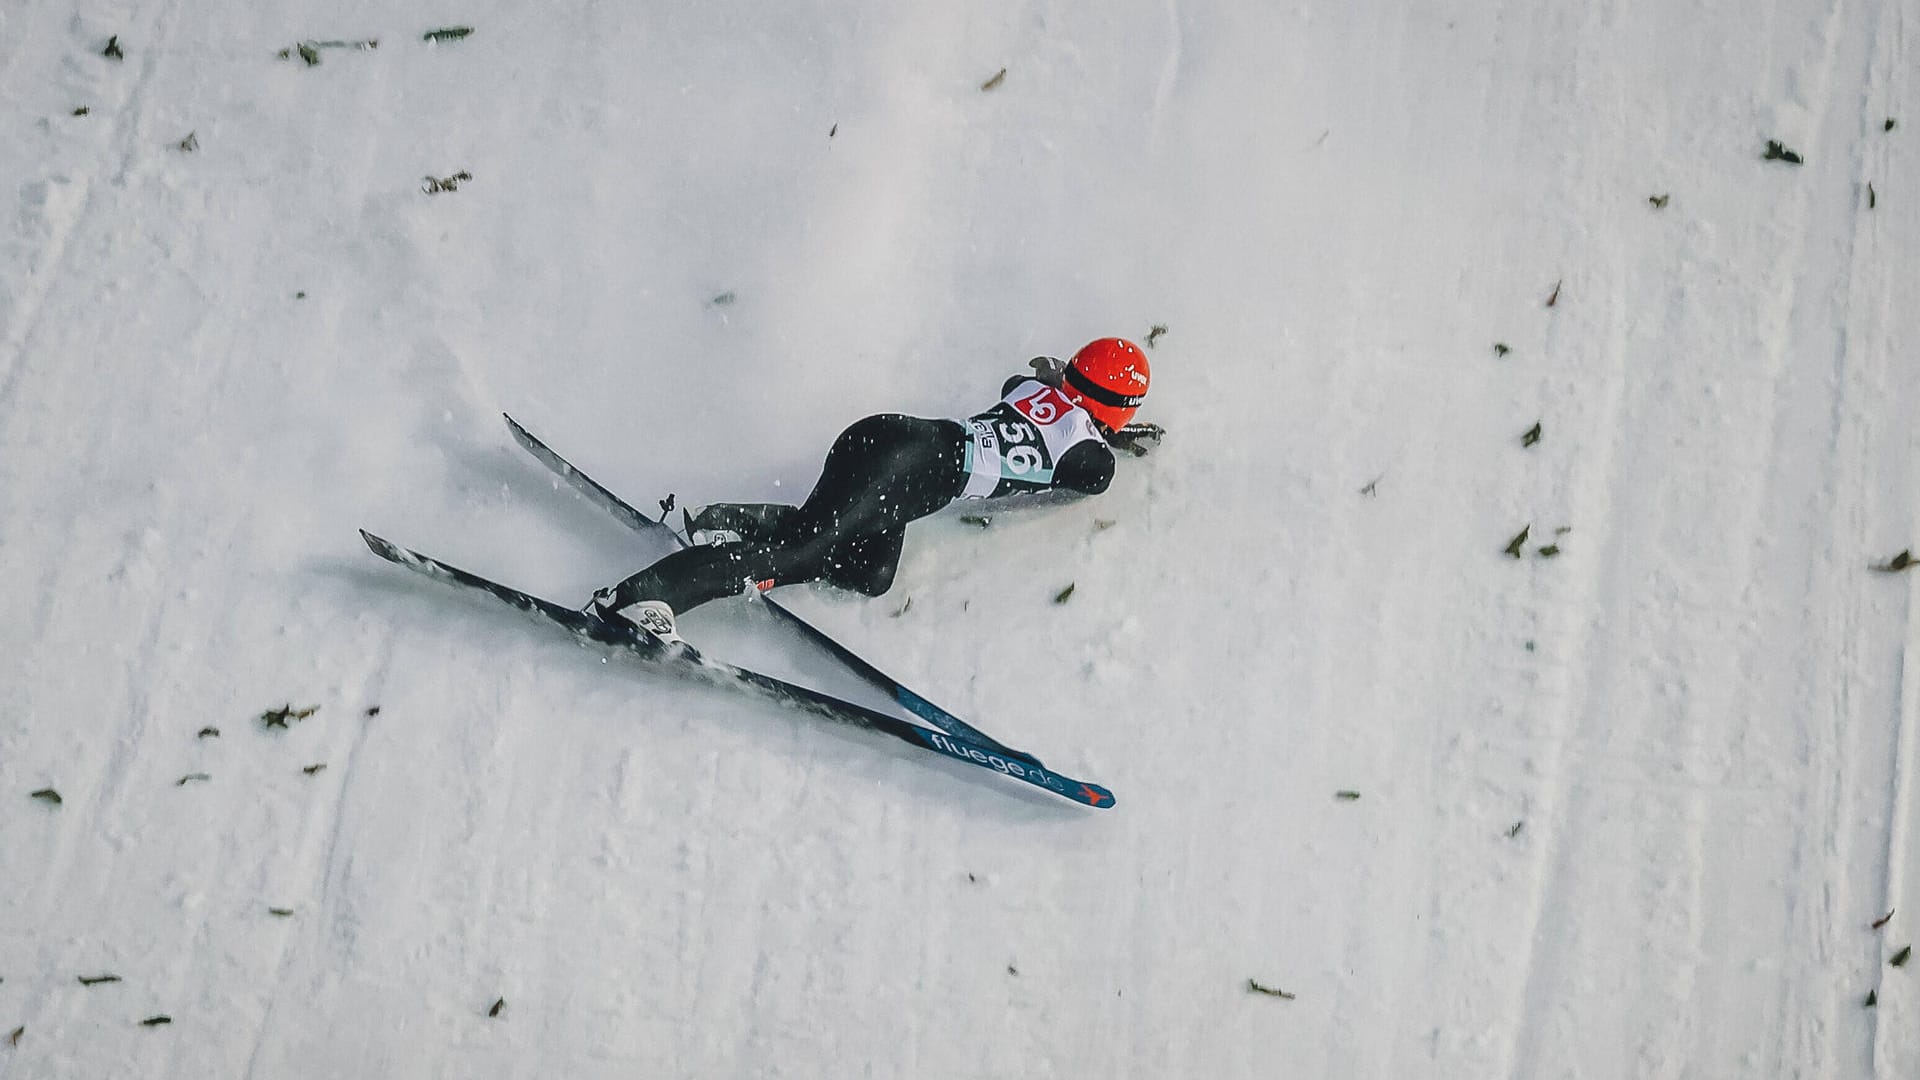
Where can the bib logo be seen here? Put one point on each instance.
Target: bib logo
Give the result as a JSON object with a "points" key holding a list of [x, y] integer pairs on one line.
{"points": [[1044, 406]]}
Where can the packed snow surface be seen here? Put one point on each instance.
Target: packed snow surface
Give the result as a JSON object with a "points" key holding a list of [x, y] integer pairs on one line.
{"points": [[1627, 807]]}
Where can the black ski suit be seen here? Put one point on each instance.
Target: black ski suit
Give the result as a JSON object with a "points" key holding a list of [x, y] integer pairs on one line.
{"points": [[882, 472]]}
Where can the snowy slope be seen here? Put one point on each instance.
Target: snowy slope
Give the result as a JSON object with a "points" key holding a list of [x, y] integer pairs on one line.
{"points": [[1628, 811]]}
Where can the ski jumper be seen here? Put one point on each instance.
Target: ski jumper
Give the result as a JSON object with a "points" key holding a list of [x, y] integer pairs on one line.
{"points": [[883, 472]]}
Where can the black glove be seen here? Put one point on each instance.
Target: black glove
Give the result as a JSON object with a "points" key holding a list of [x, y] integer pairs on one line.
{"points": [[1137, 438], [1049, 369]]}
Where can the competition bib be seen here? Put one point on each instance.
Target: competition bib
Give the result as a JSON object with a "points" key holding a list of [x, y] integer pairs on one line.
{"points": [[1012, 447]]}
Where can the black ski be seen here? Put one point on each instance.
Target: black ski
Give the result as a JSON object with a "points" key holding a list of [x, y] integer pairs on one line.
{"points": [[590, 628], [641, 523]]}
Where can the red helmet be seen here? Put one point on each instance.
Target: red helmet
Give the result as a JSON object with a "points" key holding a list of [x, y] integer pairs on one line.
{"points": [[1108, 378]]}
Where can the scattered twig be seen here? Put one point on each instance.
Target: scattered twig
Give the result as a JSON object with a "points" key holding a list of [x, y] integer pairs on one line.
{"points": [[314, 768], [498, 1004], [1555, 298], [449, 33], [13, 1037], [1658, 202], [279, 717], [1063, 595], [1347, 796], [189, 144], [96, 980], [1777, 152], [1873, 200], [1549, 552], [722, 300], [112, 51], [47, 795], [208, 732], [373, 710], [1514, 830], [982, 520], [1873, 998], [281, 912], [1103, 524], [1270, 991], [435, 185], [1531, 435], [1154, 334], [309, 51], [1372, 487], [1500, 348], [1884, 919], [902, 609], [1900, 958], [1011, 970], [1897, 563], [1514, 545], [998, 78], [81, 110], [156, 1021], [832, 131], [190, 777]]}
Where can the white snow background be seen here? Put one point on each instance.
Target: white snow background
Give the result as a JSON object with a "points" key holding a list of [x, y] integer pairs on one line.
{"points": [[1629, 811]]}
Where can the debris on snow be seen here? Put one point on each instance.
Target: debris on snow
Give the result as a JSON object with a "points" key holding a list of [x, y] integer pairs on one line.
{"points": [[722, 300], [498, 1004], [1154, 334], [450, 33], [982, 520], [156, 1021], [1011, 970], [189, 144], [314, 768], [279, 717], [1372, 487], [95, 980], [902, 609], [832, 131], [190, 777], [1658, 202], [1555, 298], [112, 51], [1900, 958], [1270, 991], [1884, 919], [13, 1037], [1898, 563], [373, 710], [1103, 524], [47, 795], [998, 78], [309, 51], [1873, 200], [1873, 998], [1531, 435], [1549, 552], [1514, 545], [1063, 595], [435, 185], [208, 732], [1777, 152], [1500, 348], [81, 110], [281, 912], [1347, 796], [1888, 126], [1513, 831]]}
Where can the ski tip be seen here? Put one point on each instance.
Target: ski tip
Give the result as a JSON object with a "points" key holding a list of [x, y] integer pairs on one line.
{"points": [[383, 548]]}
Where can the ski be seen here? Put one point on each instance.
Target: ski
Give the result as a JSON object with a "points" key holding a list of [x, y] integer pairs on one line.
{"points": [[633, 519], [592, 629]]}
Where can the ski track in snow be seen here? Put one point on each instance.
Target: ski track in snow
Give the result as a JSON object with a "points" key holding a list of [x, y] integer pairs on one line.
{"points": [[1624, 812]]}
